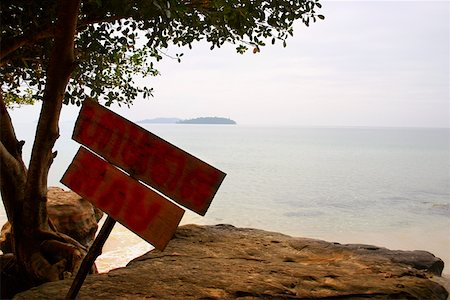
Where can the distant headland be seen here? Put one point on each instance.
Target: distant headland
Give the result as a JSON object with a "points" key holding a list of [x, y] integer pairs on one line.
{"points": [[160, 121], [208, 120], [201, 120]]}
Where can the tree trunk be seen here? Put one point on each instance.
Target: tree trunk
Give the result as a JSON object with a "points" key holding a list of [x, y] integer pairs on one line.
{"points": [[12, 169], [41, 253]]}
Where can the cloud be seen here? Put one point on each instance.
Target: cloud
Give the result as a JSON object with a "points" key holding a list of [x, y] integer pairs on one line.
{"points": [[368, 63]]}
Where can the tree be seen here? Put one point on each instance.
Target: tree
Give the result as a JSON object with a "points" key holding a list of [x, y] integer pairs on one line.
{"points": [[62, 51]]}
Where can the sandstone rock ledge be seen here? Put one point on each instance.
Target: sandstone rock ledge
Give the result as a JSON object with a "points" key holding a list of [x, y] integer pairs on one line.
{"points": [[225, 262]]}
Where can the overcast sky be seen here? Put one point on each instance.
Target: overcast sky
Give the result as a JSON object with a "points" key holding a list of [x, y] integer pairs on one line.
{"points": [[369, 63]]}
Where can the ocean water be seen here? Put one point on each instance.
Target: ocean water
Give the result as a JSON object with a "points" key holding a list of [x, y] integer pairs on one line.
{"points": [[388, 187]]}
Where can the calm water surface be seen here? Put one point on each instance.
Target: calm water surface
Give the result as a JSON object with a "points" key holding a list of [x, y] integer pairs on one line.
{"points": [[384, 186]]}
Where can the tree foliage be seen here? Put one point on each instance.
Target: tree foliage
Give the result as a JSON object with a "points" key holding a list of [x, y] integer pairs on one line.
{"points": [[119, 39], [60, 51]]}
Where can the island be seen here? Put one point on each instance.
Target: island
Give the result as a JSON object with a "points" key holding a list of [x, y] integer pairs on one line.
{"points": [[201, 120], [208, 120], [160, 121]]}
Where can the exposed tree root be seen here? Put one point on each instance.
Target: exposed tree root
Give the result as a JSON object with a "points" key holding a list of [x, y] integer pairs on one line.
{"points": [[47, 256]]}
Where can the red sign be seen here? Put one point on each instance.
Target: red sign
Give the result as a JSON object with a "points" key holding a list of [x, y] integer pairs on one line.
{"points": [[170, 170], [123, 198]]}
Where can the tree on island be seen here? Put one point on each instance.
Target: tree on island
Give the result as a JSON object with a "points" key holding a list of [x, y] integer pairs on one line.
{"points": [[59, 52]]}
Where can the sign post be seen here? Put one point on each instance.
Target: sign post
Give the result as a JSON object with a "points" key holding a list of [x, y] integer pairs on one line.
{"points": [[94, 251], [144, 157]]}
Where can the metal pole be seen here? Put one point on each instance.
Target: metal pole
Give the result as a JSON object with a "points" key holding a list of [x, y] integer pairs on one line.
{"points": [[94, 251]]}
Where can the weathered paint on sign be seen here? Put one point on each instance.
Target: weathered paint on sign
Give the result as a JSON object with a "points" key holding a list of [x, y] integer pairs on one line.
{"points": [[123, 198], [170, 170]]}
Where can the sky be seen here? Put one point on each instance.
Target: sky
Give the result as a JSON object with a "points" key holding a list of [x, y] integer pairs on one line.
{"points": [[369, 63]]}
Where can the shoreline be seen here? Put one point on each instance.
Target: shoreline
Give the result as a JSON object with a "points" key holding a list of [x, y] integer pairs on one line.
{"points": [[121, 237], [113, 257], [123, 245], [226, 262]]}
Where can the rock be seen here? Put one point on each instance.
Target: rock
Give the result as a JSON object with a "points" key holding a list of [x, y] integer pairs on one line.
{"points": [[71, 215], [420, 260], [5, 238], [224, 262]]}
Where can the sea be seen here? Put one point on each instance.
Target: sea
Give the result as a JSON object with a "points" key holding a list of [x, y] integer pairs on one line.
{"points": [[388, 187]]}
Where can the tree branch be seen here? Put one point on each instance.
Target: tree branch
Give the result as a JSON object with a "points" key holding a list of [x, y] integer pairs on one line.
{"points": [[59, 71], [12, 169], [12, 181], [11, 45], [7, 134]]}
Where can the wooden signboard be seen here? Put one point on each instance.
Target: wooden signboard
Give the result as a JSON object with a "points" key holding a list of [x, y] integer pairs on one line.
{"points": [[123, 198], [146, 157]]}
